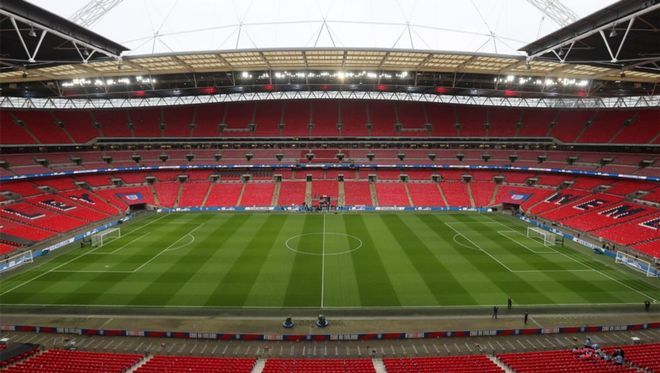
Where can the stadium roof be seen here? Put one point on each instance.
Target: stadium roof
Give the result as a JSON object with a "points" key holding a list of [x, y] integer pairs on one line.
{"points": [[624, 35], [31, 36]]}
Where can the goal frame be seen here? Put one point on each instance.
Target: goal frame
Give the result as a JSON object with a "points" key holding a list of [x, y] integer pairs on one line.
{"points": [[99, 238], [637, 264], [16, 260], [549, 238]]}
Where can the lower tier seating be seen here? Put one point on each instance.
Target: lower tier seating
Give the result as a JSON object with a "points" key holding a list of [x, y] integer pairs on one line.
{"points": [[319, 366], [175, 364], [57, 361], [466, 363]]}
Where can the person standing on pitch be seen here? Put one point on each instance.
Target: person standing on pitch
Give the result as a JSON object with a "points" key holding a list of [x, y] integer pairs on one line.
{"points": [[526, 317], [509, 303], [495, 309]]}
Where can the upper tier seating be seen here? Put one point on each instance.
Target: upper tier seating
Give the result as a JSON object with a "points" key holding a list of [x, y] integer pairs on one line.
{"points": [[57, 361], [319, 366], [329, 118], [167, 364], [465, 363]]}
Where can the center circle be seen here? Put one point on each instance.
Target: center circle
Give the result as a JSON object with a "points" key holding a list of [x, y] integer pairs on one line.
{"points": [[328, 243]]}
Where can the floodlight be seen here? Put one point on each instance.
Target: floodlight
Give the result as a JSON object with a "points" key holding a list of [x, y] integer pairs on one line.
{"points": [[510, 78], [613, 33], [245, 75], [32, 33]]}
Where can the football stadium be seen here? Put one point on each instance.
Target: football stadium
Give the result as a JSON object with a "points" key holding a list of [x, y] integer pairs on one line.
{"points": [[329, 186]]}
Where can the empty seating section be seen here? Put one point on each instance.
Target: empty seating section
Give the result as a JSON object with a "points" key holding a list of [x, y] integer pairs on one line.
{"points": [[382, 117], [167, 193], [113, 123], [177, 121], [536, 123], [296, 119], [559, 361], [570, 124], [24, 188], [23, 230], [167, 364], [42, 125], [146, 122], [392, 194], [425, 194], [472, 120], [354, 118], [67, 206], [577, 206], [78, 124], [237, 118], [443, 120], [325, 188], [41, 217], [257, 194], [482, 192], [224, 194], [292, 193], [207, 120], [456, 194], [319, 366], [123, 196], [615, 213], [651, 248], [465, 363], [503, 122], [11, 132], [412, 118], [605, 126], [56, 361], [638, 230], [357, 193], [325, 119], [642, 130], [267, 118], [193, 194], [90, 199]]}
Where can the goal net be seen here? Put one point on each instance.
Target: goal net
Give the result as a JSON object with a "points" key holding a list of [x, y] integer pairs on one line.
{"points": [[101, 238], [637, 264], [548, 238], [16, 260]]}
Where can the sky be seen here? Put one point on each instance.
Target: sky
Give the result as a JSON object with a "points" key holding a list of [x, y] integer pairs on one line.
{"points": [[163, 26]]}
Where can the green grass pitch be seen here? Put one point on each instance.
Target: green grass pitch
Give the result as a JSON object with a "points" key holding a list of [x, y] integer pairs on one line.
{"points": [[351, 260]]}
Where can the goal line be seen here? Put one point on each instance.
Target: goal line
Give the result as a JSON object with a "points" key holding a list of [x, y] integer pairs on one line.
{"points": [[101, 238]]}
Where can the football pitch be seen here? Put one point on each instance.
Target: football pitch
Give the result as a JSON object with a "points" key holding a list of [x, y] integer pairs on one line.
{"points": [[331, 261]]}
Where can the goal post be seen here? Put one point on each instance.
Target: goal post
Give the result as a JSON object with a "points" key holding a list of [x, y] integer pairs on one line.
{"points": [[637, 264], [548, 238], [101, 238], [16, 260]]}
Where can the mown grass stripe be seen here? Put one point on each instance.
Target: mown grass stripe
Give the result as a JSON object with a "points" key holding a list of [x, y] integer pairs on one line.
{"points": [[440, 280], [373, 282], [304, 288]]}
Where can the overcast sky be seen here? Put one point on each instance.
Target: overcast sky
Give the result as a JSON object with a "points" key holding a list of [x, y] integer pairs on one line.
{"points": [[161, 26]]}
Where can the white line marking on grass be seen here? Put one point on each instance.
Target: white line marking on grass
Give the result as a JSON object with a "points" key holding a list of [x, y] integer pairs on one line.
{"points": [[479, 247], [185, 245], [502, 233], [323, 263], [554, 270], [166, 249], [464, 245], [70, 261], [586, 265]]}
